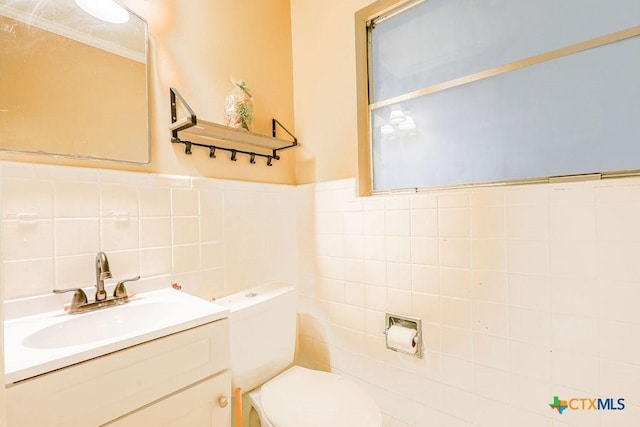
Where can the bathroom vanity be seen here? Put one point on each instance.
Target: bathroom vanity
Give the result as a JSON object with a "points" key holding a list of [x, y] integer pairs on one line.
{"points": [[170, 368]]}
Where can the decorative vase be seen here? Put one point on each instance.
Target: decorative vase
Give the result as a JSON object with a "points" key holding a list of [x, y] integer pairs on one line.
{"points": [[238, 107]]}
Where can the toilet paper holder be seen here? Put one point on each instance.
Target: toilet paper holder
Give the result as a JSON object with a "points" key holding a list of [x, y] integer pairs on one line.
{"points": [[409, 322]]}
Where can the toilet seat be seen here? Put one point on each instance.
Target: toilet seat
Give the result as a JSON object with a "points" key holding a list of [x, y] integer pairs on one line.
{"points": [[304, 397], [255, 399]]}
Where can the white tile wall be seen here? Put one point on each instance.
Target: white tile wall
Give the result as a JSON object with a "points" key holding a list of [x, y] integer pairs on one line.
{"points": [[525, 293], [214, 237]]}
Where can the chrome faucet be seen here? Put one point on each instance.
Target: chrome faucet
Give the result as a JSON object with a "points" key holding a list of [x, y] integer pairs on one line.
{"points": [[102, 272], [80, 303]]}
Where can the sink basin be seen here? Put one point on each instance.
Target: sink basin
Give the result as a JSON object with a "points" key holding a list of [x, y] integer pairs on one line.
{"points": [[101, 325], [40, 343]]}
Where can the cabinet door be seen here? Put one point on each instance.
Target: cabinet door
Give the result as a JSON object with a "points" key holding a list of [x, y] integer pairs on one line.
{"points": [[205, 404], [99, 390]]}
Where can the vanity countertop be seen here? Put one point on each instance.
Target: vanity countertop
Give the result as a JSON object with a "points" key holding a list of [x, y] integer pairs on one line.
{"points": [[38, 343]]}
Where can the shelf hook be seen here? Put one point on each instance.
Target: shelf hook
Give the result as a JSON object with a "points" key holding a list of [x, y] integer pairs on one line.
{"points": [[252, 160], [233, 155], [212, 152], [269, 160], [187, 147]]}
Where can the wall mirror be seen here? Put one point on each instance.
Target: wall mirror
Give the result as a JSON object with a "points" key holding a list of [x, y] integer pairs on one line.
{"points": [[73, 80]]}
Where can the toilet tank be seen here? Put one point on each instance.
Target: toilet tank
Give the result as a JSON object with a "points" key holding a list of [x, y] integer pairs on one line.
{"points": [[262, 333]]}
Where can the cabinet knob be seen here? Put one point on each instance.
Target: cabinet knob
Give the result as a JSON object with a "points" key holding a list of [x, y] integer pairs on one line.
{"points": [[223, 401]]}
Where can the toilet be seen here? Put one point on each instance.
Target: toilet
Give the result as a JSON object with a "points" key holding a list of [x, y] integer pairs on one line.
{"points": [[262, 344]]}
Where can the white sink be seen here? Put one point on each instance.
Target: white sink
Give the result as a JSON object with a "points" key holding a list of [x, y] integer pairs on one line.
{"points": [[40, 343], [101, 325]]}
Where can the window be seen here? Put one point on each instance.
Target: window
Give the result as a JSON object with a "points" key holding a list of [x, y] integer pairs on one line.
{"points": [[462, 92]]}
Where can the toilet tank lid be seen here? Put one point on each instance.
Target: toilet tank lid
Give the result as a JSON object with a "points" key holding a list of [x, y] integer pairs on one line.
{"points": [[254, 296], [304, 397]]}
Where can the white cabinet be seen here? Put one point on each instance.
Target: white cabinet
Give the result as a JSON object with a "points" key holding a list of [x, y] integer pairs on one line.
{"points": [[155, 378], [204, 404]]}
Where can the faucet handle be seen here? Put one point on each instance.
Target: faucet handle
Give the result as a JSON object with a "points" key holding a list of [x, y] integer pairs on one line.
{"points": [[121, 291], [79, 296]]}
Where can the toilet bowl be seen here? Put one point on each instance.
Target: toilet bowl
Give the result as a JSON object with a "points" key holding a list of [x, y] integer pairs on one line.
{"points": [[262, 323]]}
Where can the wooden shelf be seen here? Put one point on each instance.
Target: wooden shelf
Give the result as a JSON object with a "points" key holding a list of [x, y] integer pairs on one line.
{"points": [[190, 126], [217, 132]]}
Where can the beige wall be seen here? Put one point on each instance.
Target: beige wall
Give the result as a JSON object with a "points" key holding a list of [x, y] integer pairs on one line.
{"points": [[199, 47], [325, 88]]}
